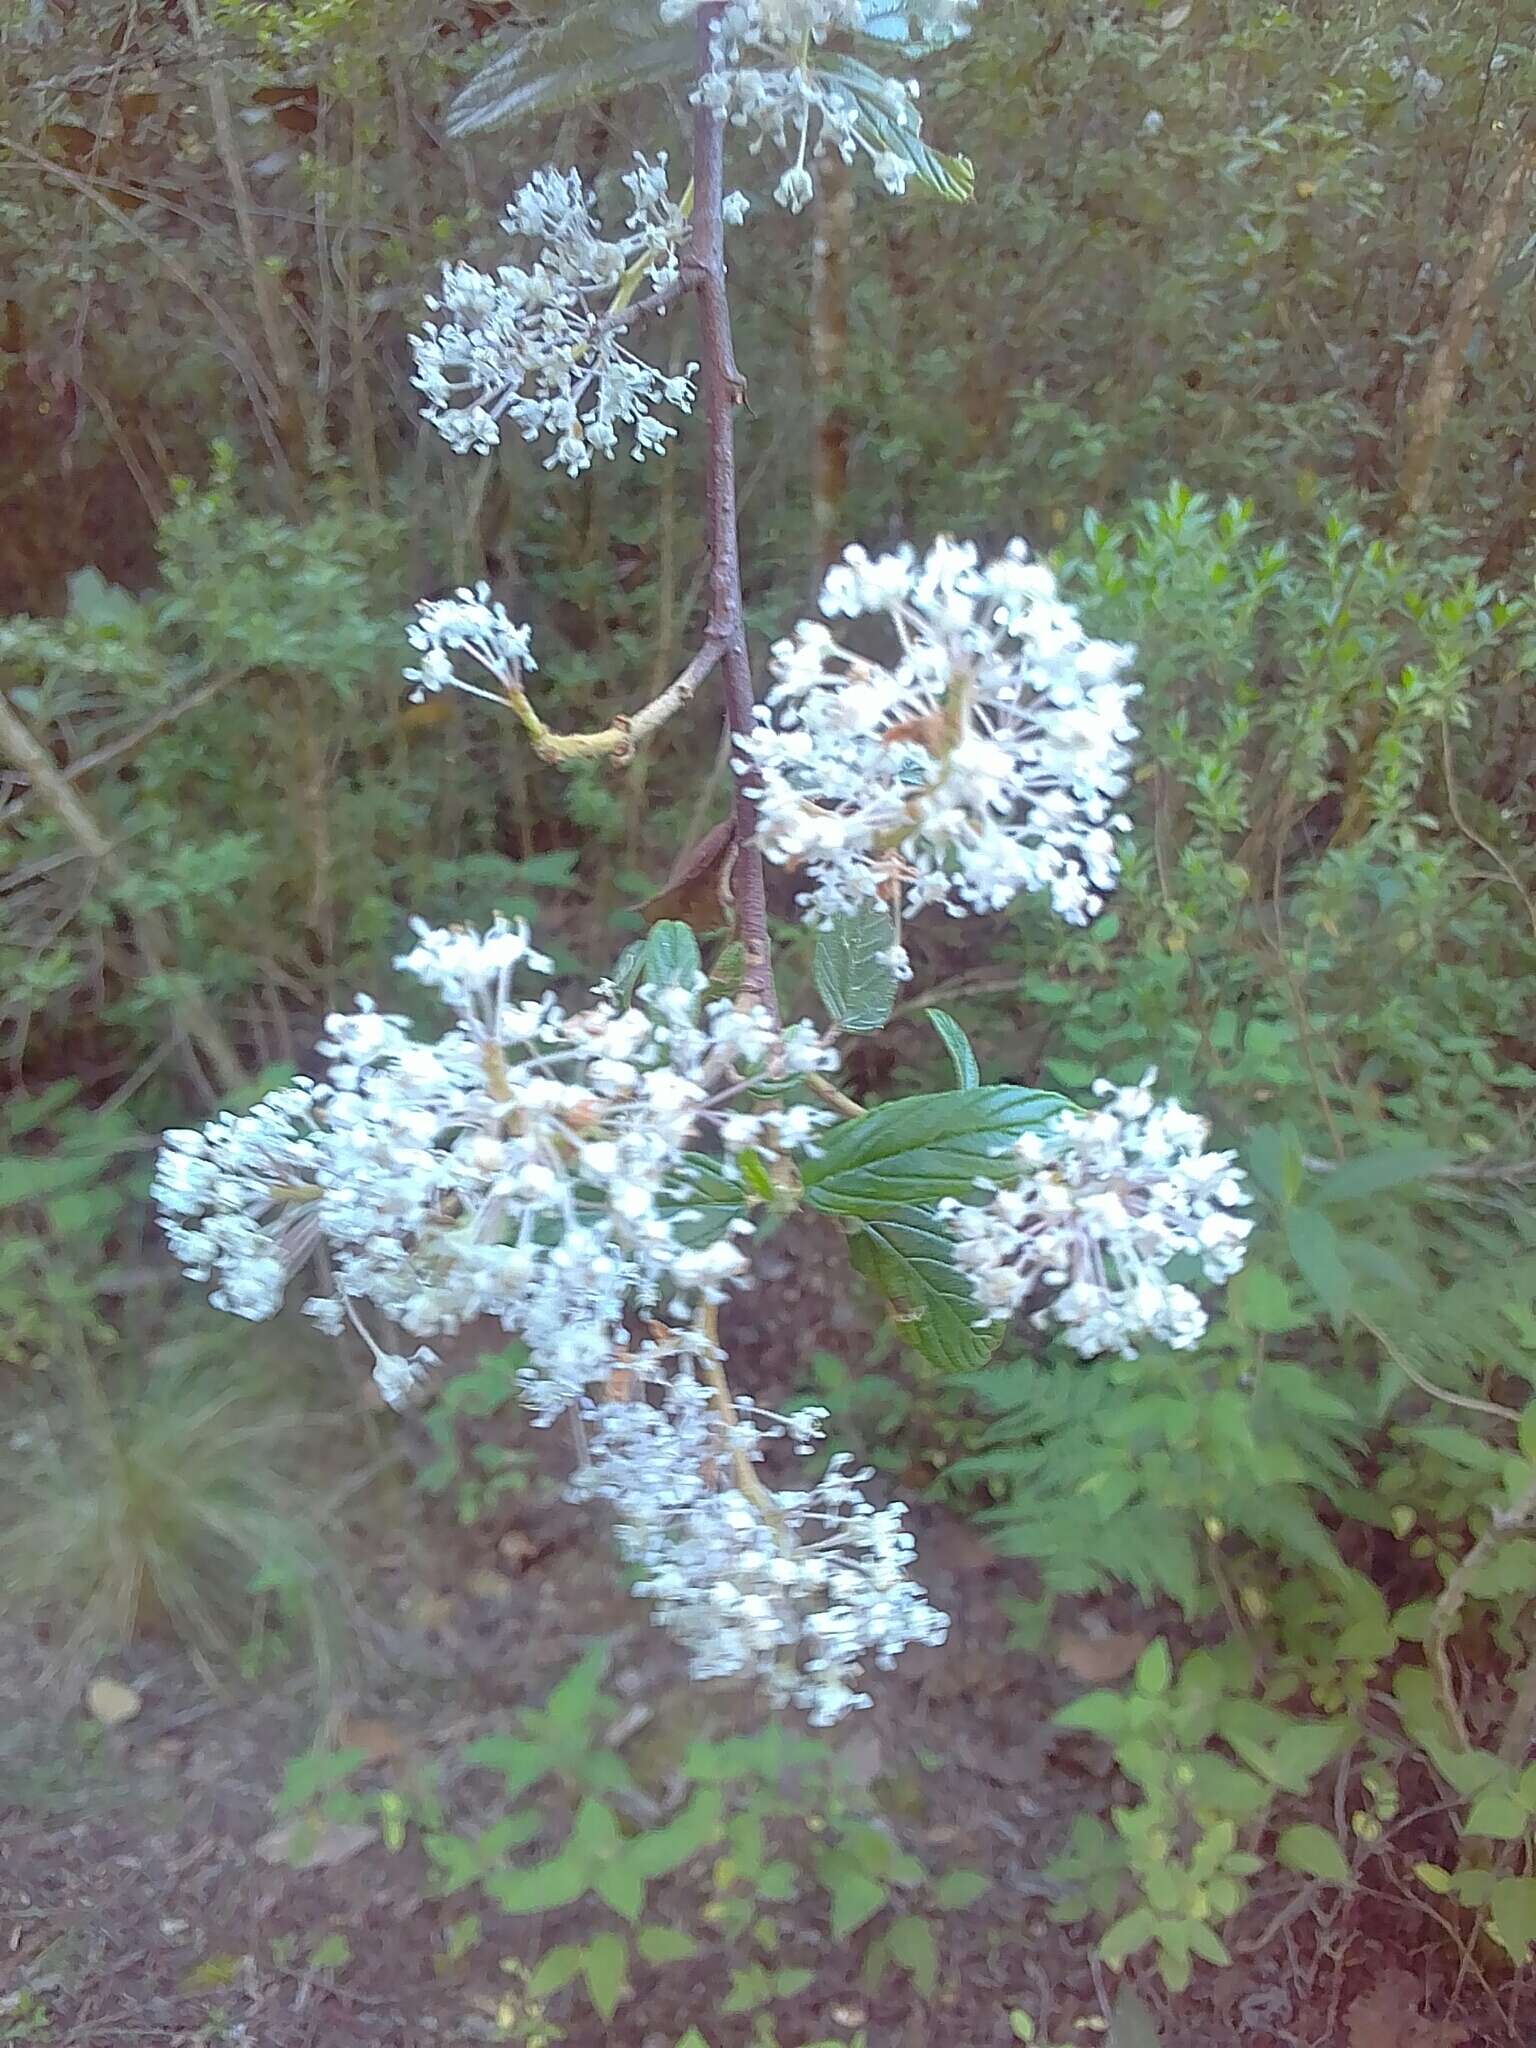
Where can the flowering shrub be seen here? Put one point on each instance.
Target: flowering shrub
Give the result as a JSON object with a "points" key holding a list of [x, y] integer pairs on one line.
{"points": [[593, 1177]]}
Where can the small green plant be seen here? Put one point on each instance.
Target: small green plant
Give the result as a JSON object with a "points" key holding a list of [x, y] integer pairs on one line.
{"points": [[760, 1824], [1207, 1760], [476, 1474]]}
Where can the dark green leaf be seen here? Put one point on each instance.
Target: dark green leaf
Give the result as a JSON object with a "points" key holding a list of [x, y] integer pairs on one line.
{"points": [[924, 1148], [1512, 1906], [555, 1969], [540, 1889], [1377, 1171], [909, 1257], [1314, 1245], [889, 122], [958, 1046], [705, 1201], [668, 1848], [854, 975]]}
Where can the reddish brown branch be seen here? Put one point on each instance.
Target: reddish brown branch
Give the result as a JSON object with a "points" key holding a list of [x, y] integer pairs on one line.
{"points": [[722, 391]]}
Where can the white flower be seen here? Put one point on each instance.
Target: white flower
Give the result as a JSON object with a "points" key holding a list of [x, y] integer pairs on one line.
{"points": [[399, 1379], [469, 623], [540, 1166], [1108, 1199], [767, 81], [983, 762], [543, 346], [531, 1165], [800, 1588]]}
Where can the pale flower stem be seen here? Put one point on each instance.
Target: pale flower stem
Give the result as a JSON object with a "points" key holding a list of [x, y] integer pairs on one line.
{"points": [[747, 1480], [619, 740], [833, 1096]]}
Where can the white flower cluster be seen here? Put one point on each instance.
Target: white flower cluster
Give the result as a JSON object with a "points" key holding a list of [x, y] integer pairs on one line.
{"points": [[984, 761], [798, 1585], [1108, 1200], [769, 80], [543, 346], [538, 1165], [468, 623]]}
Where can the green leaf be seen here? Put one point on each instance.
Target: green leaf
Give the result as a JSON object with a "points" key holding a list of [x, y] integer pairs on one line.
{"points": [[749, 1988], [333, 1953], [1154, 1670], [665, 1945], [909, 1257], [1313, 1851], [605, 1965], [855, 1896], [958, 1046], [854, 975], [727, 970], [910, 1941], [576, 1697], [306, 1777], [540, 1889], [1378, 1171], [668, 1848], [1314, 1245], [555, 1969], [1499, 1815], [627, 971], [1275, 1161], [888, 122], [1512, 1908], [704, 1203], [924, 1148], [671, 957], [1260, 1300], [589, 52], [1127, 1935], [957, 1889], [791, 1982], [620, 1885]]}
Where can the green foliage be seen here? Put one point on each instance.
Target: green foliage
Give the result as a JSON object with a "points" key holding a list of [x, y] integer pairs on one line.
{"points": [[1206, 1759], [478, 1473], [761, 1831]]}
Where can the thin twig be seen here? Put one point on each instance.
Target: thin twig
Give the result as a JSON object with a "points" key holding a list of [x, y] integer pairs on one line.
{"points": [[1471, 1402], [722, 391], [833, 1096], [114, 750], [1467, 832]]}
